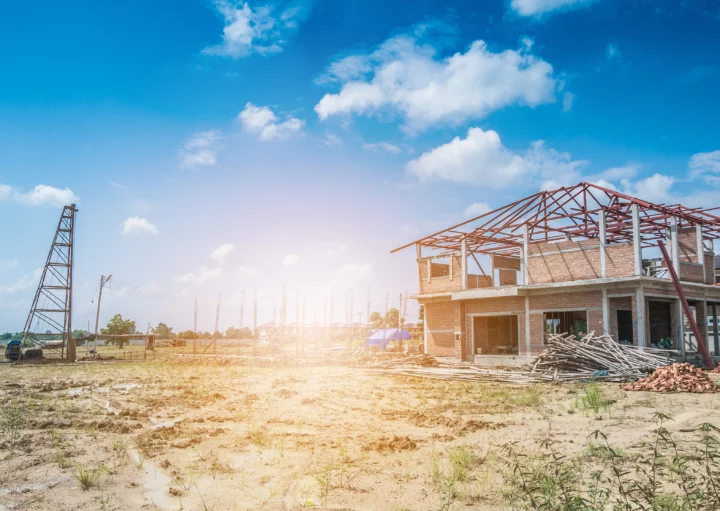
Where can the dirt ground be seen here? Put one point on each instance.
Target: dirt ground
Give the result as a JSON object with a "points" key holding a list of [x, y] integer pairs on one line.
{"points": [[171, 435]]}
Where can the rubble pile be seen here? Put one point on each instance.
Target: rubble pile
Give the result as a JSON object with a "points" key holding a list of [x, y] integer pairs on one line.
{"points": [[675, 378]]}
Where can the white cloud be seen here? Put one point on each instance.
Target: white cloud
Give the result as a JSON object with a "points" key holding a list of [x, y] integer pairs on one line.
{"points": [[8, 263], [337, 250], [249, 30], [200, 150], [628, 171], [476, 209], [244, 271], [220, 253], [354, 271], [40, 195], [382, 146], [655, 189], [262, 121], [481, 158], [612, 52], [540, 7], [203, 275], [290, 260], [136, 224], [332, 140], [406, 76], [568, 99], [704, 163], [24, 282]]}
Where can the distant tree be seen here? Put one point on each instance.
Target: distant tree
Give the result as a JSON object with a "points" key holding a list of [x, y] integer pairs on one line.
{"points": [[392, 318], [6, 336], [376, 319], [216, 335], [232, 333], [187, 334], [118, 326], [205, 335], [162, 331]]}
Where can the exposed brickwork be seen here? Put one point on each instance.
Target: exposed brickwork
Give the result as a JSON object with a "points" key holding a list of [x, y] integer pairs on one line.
{"points": [[576, 301], [577, 260], [691, 272], [595, 321], [440, 328], [460, 325], [514, 304], [710, 268], [448, 277], [687, 244]]}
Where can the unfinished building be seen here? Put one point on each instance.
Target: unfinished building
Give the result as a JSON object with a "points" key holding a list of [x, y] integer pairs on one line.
{"points": [[576, 259]]}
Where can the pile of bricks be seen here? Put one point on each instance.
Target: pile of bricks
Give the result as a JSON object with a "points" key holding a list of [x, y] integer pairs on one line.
{"points": [[675, 378]]}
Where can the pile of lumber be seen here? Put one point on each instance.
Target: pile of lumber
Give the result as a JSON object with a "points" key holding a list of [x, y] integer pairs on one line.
{"points": [[676, 378], [597, 356]]}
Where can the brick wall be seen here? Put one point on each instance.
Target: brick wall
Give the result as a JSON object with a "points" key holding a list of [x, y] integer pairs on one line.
{"points": [[452, 279], [440, 328], [577, 260], [687, 243], [691, 272], [710, 269]]}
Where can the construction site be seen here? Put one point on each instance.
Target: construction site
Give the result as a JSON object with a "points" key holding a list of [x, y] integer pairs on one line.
{"points": [[566, 342]]}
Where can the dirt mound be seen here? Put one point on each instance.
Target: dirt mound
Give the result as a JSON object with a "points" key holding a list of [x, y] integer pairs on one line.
{"points": [[675, 378], [386, 444], [474, 425]]}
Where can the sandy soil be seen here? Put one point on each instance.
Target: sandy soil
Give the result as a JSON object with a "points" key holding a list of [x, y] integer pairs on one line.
{"points": [[166, 435]]}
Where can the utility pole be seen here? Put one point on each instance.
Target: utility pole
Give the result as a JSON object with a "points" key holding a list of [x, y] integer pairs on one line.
{"points": [[242, 310], [217, 323], [103, 281], [195, 327], [254, 319]]}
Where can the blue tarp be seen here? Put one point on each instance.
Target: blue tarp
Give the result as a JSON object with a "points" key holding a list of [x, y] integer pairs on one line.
{"points": [[383, 336]]}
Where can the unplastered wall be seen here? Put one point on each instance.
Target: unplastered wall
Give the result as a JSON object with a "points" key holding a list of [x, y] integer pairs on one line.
{"points": [[440, 329], [451, 282], [577, 260]]}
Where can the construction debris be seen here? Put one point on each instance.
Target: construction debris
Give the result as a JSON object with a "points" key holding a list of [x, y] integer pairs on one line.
{"points": [[675, 378], [598, 356], [566, 359]]}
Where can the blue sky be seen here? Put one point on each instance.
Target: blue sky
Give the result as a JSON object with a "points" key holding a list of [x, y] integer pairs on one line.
{"points": [[219, 146]]}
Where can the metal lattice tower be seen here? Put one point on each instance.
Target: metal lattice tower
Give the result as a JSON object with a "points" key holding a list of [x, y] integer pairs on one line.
{"points": [[49, 322]]}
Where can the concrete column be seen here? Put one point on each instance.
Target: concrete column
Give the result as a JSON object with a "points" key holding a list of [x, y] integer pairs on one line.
{"points": [[418, 258], [716, 330], [640, 316], [700, 248], [425, 322], [680, 326], [605, 312], [527, 326], [464, 264], [637, 241], [603, 244], [674, 246], [525, 254]]}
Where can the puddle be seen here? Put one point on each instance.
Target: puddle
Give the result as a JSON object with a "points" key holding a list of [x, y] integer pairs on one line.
{"points": [[126, 387], [155, 482], [25, 488], [111, 409], [168, 423]]}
